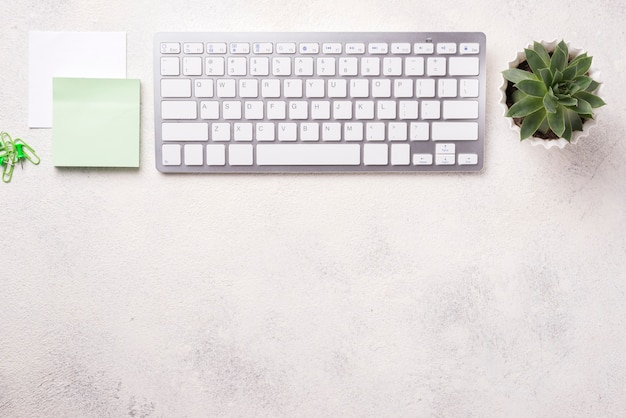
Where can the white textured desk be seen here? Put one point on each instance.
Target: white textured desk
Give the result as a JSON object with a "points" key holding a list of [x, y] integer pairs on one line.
{"points": [[132, 293]]}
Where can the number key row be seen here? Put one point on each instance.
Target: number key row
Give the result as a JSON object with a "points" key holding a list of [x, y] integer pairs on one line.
{"points": [[324, 66]]}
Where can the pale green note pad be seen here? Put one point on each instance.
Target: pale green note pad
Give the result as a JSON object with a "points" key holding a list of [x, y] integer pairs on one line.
{"points": [[95, 122]]}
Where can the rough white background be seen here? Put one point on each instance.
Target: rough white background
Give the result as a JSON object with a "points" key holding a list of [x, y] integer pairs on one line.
{"points": [[132, 293]]}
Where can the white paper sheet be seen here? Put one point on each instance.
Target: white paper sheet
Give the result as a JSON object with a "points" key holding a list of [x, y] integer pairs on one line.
{"points": [[69, 54]]}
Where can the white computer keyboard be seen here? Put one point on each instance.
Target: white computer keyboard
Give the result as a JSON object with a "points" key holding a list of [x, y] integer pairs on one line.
{"points": [[319, 102]]}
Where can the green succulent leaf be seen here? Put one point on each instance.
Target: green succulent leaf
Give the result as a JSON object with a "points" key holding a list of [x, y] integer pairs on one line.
{"points": [[559, 58], [546, 76], [558, 77], [593, 100], [582, 82], [518, 95], [567, 101], [531, 123], [569, 73], [550, 102], [593, 86], [556, 121], [567, 133], [577, 59], [532, 88], [542, 52], [535, 61], [575, 121], [583, 65], [582, 108], [515, 75], [525, 107]]}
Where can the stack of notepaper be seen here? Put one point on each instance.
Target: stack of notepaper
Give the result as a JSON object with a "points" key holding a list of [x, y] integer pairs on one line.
{"points": [[78, 87]]}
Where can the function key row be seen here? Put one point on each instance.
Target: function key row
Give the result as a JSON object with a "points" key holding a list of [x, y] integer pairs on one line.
{"points": [[376, 48]]}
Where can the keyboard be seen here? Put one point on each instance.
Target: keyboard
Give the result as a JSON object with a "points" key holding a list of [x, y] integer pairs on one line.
{"points": [[319, 102]]}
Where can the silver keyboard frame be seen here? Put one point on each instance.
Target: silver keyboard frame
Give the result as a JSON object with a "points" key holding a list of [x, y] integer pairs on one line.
{"points": [[474, 146]]}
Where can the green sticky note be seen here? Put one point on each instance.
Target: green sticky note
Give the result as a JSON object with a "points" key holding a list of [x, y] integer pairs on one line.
{"points": [[95, 122]]}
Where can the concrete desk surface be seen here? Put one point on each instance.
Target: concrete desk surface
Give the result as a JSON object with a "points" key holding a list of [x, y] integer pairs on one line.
{"points": [[133, 293]]}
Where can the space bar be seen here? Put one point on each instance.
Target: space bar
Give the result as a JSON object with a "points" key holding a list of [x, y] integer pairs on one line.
{"points": [[308, 154]]}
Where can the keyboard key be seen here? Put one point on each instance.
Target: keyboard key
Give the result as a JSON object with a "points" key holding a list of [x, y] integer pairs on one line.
{"points": [[193, 154], [170, 154], [468, 88], [414, 66], [304, 66], [392, 66], [446, 48], [220, 132], [378, 48], [265, 131], [237, 66], [436, 66], [422, 159], [287, 131], [185, 131], [293, 88], [281, 66], [240, 154], [309, 48], [192, 65], [445, 148], [203, 87], [370, 66], [216, 48], [214, 66], [270, 88], [423, 48], [467, 109], [375, 154], [242, 132], [308, 154], [248, 87], [262, 47], [348, 66], [239, 48], [170, 48], [209, 109], [468, 159], [464, 65], [331, 132], [175, 87], [454, 131], [469, 48], [286, 48], [337, 88], [400, 154], [419, 131], [259, 66], [179, 109], [355, 48], [193, 47], [446, 87], [170, 66], [216, 154], [444, 159], [431, 109], [401, 48], [310, 131], [325, 66], [331, 48]]}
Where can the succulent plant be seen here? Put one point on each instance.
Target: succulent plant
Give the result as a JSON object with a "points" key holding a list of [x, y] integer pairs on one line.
{"points": [[557, 93]]}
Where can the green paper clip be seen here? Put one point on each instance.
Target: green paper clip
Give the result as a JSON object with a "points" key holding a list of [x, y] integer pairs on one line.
{"points": [[12, 151], [24, 151], [7, 170]]}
